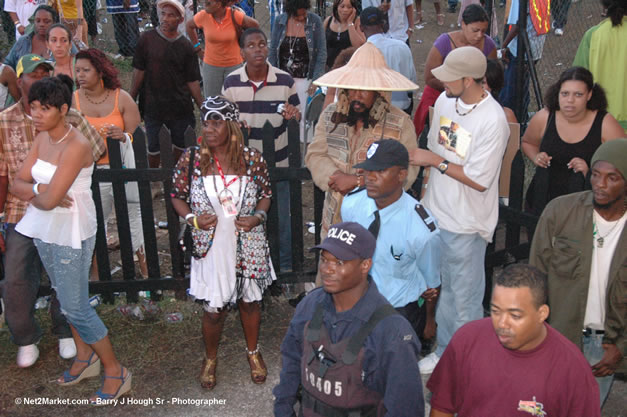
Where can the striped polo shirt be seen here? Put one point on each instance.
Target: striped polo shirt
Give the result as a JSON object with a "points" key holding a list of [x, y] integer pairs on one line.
{"points": [[259, 103]]}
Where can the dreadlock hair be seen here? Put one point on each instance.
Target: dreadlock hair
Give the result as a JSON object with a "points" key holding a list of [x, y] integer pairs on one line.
{"points": [[234, 148]]}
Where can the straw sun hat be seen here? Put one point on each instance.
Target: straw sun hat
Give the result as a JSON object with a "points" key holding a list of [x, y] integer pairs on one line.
{"points": [[366, 70]]}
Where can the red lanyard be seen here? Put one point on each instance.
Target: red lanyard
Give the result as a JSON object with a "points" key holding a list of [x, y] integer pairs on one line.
{"points": [[226, 185]]}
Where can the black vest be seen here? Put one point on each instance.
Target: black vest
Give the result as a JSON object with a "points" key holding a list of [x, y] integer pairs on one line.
{"points": [[331, 374]]}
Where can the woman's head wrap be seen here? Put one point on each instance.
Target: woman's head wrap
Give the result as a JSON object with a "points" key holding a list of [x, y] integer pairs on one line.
{"points": [[218, 108]]}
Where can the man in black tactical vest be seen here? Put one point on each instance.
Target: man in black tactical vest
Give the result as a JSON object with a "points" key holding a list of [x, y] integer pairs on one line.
{"points": [[347, 352]]}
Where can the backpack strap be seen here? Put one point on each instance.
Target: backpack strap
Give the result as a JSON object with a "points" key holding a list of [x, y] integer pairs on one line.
{"points": [[357, 340]]}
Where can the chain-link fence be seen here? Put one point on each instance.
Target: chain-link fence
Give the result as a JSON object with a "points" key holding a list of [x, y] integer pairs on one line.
{"points": [[553, 52]]}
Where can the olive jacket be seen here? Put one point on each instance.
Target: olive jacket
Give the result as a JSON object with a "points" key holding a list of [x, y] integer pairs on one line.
{"points": [[562, 248]]}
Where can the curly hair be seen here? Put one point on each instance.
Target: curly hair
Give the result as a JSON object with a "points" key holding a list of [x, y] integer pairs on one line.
{"points": [[103, 65], [292, 6], [598, 100], [52, 91], [336, 6]]}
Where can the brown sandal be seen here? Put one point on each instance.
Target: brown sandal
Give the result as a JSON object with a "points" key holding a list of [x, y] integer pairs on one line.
{"points": [[258, 370], [208, 374]]}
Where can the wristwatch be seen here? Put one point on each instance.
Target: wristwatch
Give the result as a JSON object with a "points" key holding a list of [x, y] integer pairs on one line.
{"points": [[443, 166]]}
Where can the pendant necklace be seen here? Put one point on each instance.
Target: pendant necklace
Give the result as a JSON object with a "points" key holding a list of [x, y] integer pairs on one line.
{"points": [[97, 102], [596, 234]]}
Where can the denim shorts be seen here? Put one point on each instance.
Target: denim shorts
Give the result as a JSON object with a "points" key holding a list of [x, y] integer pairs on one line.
{"points": [[68, 270]]}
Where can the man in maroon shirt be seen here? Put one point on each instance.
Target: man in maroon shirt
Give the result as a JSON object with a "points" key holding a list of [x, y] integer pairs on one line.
{"points": [[513, 363]]}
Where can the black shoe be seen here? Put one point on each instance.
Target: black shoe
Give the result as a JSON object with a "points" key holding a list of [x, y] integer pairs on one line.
{"points": [[294, 301]]}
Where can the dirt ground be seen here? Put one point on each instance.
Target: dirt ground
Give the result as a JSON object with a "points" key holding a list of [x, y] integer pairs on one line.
{"points": [[165, 358]]}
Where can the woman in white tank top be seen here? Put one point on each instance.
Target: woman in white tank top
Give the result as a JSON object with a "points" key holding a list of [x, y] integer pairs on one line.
{"points": [[61, 218]]}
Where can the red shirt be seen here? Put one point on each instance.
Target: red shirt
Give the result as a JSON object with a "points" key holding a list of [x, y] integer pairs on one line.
{"points": [[477, 376]]}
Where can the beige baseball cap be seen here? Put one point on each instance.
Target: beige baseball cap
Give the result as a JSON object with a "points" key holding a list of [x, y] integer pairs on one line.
{"points": [[466, 61]]}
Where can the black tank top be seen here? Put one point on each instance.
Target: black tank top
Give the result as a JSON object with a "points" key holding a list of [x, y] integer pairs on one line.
{"points": [[562, 152], [336, 43]]}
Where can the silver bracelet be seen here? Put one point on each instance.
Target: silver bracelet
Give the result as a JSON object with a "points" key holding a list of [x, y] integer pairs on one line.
{"points": [[36, 188], [262, 215], [189, 216]]}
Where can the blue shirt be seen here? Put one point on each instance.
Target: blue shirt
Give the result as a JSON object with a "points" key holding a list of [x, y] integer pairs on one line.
{"points": [[390, 364], [399, 58], [406, 260]]}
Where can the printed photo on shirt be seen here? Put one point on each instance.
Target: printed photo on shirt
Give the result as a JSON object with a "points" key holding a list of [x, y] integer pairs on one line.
{"points": [[454, 137]]}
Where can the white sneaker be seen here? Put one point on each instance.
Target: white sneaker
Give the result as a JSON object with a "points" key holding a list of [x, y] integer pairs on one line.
{"points": [[428, 363], [67, 348], [559, 32], [27, 355]]}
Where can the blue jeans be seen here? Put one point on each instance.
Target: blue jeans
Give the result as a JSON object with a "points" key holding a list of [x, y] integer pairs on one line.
{"points": [[593, 352], [22, 269], [68, 270], [463, 284], [285, 225]]}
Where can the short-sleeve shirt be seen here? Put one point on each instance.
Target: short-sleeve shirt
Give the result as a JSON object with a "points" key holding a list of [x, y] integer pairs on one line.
{"points": [[476, 140], [258, 105], [406, 260], [477, 376], [168, 65], [397, 16], [221, 43]]}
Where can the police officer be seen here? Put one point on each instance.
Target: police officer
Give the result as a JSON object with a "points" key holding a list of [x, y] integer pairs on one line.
{"points": [[406, 262], [346, 347]]}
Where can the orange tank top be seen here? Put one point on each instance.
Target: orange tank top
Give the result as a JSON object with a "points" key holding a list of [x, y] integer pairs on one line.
{"points": [[114, 118]]}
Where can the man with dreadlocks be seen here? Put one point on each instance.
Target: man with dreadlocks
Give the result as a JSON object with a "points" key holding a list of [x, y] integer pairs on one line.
{"points": [[362, 115]]}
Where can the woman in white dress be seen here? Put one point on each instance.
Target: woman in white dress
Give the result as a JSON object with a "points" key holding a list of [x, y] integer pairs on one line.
{"points": [[61, 218], [226, 207]]}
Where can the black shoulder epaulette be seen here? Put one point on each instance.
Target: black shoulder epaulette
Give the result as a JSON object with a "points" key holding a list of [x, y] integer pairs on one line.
{"points": [[357, 190], [425, 216]]}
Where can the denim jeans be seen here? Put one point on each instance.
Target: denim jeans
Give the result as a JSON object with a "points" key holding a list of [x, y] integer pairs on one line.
{"points": [[463, 284], [593, 352], [68, 269], [285, 225], [22, 276]]}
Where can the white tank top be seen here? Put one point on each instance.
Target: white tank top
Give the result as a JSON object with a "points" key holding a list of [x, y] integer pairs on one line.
{"points": [[62, 226]]}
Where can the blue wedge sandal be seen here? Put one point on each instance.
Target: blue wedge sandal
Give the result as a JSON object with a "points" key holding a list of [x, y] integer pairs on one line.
{"points": [[92, 369]]}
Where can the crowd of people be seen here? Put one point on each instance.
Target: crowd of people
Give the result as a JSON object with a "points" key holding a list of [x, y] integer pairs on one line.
{"points": [[394, 268]]}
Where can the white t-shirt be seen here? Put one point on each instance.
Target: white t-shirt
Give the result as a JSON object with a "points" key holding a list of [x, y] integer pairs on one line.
{"points": [[24, 10], [477, 141], [397, 17], [600, 268]]}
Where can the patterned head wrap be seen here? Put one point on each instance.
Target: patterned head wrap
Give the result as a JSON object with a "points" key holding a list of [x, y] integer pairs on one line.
{"points": [[219, 108]]}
